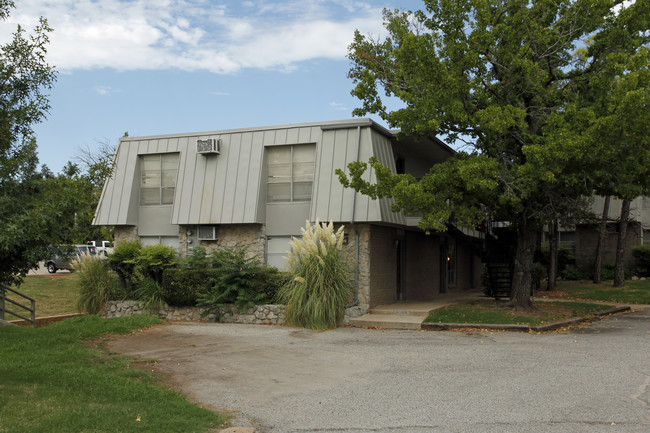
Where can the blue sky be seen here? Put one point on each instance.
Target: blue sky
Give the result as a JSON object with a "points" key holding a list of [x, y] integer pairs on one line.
{"points": [[169, 66]]}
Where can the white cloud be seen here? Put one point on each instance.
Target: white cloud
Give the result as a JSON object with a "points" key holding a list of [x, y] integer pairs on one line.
{"points": [[338, 106], [105, 90], [624, 4], [195, 34]]}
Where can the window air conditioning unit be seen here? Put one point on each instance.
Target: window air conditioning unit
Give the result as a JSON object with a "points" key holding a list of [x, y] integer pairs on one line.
{"points": [[207, 233], [208, 146]]}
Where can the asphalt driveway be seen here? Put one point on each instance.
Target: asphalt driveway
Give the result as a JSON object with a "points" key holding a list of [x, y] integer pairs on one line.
{"points": [[279, 379]]}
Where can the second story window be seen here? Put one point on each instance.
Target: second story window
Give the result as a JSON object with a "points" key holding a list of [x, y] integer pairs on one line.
{"points": [[158, 178], [290, 172]]}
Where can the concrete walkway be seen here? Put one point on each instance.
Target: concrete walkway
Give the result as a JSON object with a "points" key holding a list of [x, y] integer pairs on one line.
{"points": [[410, 314]]}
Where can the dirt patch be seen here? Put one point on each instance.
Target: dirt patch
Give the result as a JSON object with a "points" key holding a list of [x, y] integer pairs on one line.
{"points": [[221, 366], [207, 364]]}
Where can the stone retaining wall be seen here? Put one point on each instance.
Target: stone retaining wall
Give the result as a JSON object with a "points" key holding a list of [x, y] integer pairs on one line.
{"points": [[270, 314], [260, 314]]}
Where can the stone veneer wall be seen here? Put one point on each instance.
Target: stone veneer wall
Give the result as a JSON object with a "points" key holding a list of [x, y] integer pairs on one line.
{"points": [[259, 314], [125, 234], [250, 236], [273, 314], [364, 264]]}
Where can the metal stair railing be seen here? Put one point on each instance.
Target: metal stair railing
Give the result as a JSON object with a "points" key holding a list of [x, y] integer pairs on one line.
{"points": [[3, 305], [499, 278]]}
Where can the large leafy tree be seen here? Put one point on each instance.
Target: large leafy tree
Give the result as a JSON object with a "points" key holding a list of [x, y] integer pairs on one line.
{"points": [[498, 76], [619, 131], [33, 205]]}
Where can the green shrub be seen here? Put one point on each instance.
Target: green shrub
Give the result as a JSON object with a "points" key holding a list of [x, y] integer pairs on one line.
{"points": [[238, 281], [97, 283], [183, 287], [124, 260], [272, 281], [565, 256], [608, 270], [197, 258], [573, 273], [153, 260], [641, 255], [538, 273], [320, 283], [150, 293]]}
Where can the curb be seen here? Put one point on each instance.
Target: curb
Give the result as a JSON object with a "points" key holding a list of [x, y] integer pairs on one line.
{"points": [[523, 328], [477, 326], [47, 320]]}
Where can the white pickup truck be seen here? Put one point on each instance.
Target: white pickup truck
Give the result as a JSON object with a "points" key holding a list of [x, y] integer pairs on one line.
{"points": [[104, 248]]}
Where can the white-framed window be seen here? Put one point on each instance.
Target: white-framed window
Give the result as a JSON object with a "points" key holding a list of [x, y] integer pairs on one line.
{"points": [[158, 174], [290, 172], [170, 241], [277, 248]]}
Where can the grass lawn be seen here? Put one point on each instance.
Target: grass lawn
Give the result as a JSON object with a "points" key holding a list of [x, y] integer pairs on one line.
{"points": [[54, 294], [495, 312], [52, 380], [634, 292]]}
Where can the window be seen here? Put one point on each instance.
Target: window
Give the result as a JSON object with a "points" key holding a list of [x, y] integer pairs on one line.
{"points": [[158, 178], [290, 172], [277, 248], [646, 237], [170, 241], [568, 240]]}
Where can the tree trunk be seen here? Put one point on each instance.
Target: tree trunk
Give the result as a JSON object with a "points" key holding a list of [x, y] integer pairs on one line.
{"points": [[619, 273], [602, 237], [553, 236], [522, 273]]}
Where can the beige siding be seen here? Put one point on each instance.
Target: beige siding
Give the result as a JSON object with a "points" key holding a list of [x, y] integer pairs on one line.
{"points": [[117, 205], [383, 151], [333, 202], [638, 209], [230, 188]]}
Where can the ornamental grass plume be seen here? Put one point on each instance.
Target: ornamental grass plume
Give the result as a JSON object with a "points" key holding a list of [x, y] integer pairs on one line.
{"points": [[97, 283], [320, 283]]}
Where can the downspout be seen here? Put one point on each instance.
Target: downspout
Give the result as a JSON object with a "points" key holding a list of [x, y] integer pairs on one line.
{"points": [[357, 236]]}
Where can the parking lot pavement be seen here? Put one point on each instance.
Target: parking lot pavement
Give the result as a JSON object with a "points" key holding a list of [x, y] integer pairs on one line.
{"points": [[42, 270], [591, 379]]}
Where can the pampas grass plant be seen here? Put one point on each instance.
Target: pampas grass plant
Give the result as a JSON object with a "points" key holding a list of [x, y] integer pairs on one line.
{"points": [[97, 283], [320, 283]]}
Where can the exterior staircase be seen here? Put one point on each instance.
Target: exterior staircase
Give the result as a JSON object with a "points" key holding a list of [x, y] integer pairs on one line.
{"points": [[499, 278], [393, 317]]}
